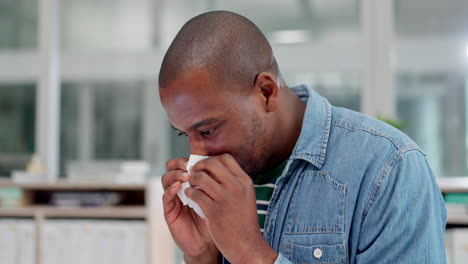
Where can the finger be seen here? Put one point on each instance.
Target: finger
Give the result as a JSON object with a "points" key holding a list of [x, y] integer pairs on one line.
{"points": [[201, 198], [171, 202], [173, 189], [231, 164], [215, 169], [177, 164], [225, 169], [207, 184], [174, 176]]}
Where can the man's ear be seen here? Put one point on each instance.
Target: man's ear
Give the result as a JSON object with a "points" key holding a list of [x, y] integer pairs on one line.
{"points": [[268, 89]]}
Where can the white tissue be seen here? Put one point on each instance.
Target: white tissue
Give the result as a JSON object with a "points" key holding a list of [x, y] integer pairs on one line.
{"points": [[181, 193]]}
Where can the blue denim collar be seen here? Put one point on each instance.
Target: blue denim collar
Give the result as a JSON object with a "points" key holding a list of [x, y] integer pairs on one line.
{"points": [[313, 140]]}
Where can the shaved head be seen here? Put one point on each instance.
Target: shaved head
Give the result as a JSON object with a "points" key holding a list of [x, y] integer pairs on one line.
{"points": [[227, 45], [220, 86]]}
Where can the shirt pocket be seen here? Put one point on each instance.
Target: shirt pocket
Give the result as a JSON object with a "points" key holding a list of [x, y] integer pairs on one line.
{"points": [[314, 228], [317, 205], [329, 254]]}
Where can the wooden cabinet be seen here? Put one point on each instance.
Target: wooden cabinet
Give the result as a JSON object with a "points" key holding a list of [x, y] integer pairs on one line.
{"points": [[46, 202], [455, 185]]}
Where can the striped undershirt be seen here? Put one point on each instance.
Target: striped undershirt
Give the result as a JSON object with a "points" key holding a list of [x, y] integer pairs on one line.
{"points": [[264, 186], [263, 192]]}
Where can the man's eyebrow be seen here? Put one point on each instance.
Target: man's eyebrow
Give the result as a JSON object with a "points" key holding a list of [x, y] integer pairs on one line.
{"points": [[199, 124], [204, 123]]}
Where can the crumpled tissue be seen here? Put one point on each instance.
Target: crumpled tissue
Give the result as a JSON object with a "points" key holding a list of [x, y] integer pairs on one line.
{"points": [[193, 159]]}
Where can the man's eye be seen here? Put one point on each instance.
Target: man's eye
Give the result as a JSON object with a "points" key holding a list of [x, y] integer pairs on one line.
{"points": [[182, 134], [207, 132]]}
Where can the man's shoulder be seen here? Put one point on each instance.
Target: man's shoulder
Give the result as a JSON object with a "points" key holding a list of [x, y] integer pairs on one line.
{"points": [[349, 123], [345, 123]]}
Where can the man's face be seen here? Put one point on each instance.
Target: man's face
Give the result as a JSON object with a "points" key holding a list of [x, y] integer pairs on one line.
{"points": [[217, 119]]}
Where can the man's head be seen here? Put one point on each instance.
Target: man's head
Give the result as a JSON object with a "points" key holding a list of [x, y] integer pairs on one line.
{"points": [[220, 85], [228, 45]]}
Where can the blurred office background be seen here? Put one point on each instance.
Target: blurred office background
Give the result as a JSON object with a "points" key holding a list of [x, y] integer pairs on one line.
{"points": [[110, 51], [86, 72]]}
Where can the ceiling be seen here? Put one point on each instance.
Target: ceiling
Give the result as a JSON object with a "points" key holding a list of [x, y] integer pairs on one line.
{"points": [[412, 18]]}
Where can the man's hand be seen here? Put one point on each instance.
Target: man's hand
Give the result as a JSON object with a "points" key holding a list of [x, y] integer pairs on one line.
{"points": [[187, 229], [227, 197]]}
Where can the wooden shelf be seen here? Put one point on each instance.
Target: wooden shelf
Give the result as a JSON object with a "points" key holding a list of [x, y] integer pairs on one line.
{"points": [[138, 202], [71, 185], [121, 212], [457, 219], [453, 184]]}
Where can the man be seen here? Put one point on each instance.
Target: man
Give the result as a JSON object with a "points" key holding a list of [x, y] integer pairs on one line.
{"points": [[344, 187]]}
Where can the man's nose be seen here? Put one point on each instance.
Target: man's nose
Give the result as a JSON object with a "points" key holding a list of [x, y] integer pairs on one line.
{"points": [[198, 147]]}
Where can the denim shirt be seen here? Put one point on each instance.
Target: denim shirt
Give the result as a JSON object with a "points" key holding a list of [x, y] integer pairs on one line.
{"points": [[355, 190]]}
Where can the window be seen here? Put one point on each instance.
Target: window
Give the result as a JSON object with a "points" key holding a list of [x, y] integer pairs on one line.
{"points": [[18, 24], [430, 82], [17, 125]]}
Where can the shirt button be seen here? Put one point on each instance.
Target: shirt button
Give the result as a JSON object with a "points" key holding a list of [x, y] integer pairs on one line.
{"points": [[318, 253]]}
